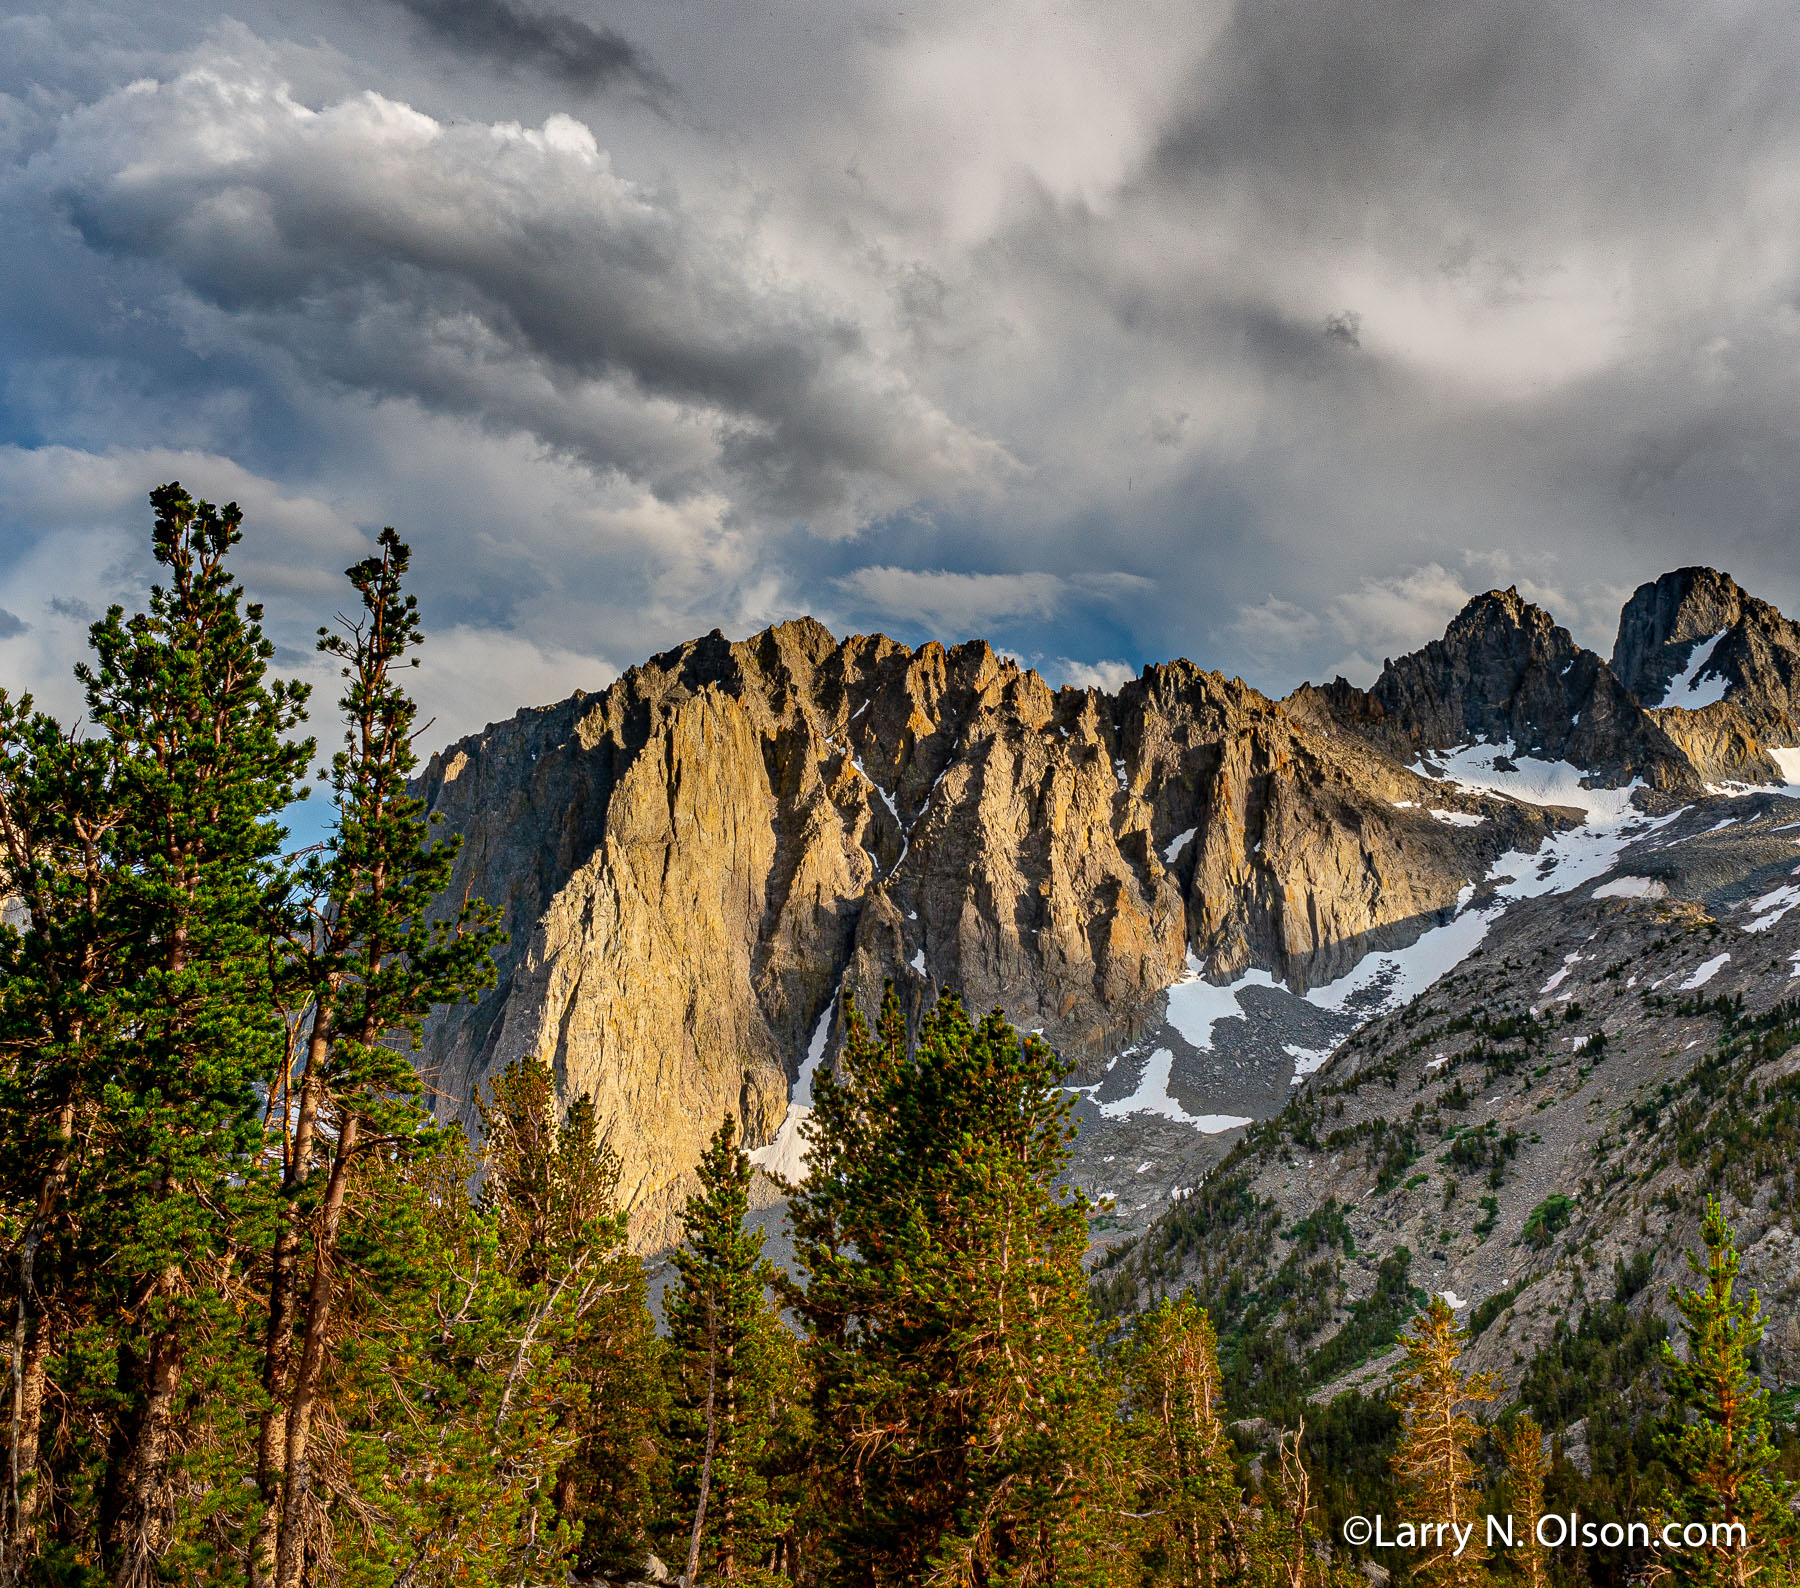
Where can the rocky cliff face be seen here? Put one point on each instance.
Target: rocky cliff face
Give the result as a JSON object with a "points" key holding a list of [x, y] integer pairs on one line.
{"points": [[693, 863], [700, 864]]}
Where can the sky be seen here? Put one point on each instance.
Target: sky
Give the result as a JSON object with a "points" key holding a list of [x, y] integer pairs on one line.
{"points": [[1262, 334]]}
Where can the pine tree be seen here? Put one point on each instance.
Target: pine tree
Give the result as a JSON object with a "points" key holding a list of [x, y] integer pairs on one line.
{"points": [[727, 1352], [443, 1405], [946, 1311], [1714, 1437], [1185, 1478], [59, 969], [1435, 1466], [552, 1190], [203, 763], [1522, 1447], [202, 1223], [370, 967]]}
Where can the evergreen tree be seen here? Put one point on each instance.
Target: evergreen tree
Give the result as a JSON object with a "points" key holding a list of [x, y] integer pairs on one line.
{"points": [[732, 1365], [552, 1191], [1434, 1464], [1714, 1437], [372, 964], [203, 763], [1187, 1485], [946, 1310], [1522, 1447], [59, 967], [219, 1192], [443, 1405]]}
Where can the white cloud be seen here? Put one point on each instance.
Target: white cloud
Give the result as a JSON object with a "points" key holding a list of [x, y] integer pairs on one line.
{"points": [[502, 271], [1272, 630], [959, 604], [1105, 675], [1398, 613], [469, 677], [1381, 617]]}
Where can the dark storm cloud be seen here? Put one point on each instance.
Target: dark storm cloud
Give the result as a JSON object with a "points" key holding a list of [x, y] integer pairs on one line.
{"points": [[1554, 250], [11, 625], [561, 47], [503, 273], [1528, 114]]}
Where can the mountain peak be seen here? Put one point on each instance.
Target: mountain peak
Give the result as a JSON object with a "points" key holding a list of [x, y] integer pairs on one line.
{"points": [[1664, 619], [1505, 670], [1719, 668]]}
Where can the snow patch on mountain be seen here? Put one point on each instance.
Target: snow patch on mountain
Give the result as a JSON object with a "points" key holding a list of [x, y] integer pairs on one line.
{"points": [[1152, 1097], [1307, 1061], [1570, 961], [1688, 688], [1196, 1005], [1398, 974], [1632, 888], [785, 1156], [1706, 972], [1771, 907]]}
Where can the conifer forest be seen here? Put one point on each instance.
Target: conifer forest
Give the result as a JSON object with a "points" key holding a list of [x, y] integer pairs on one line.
{"points": [[270, 1321]]}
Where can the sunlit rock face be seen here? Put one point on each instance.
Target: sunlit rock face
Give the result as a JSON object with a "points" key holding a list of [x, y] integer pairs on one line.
{"points": [[692, 864]]}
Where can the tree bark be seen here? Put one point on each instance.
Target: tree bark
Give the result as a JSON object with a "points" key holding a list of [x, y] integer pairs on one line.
{"points": [[692, 1570], [290, 1553], [284, 1309], [30, 1350], [133, 1536]]}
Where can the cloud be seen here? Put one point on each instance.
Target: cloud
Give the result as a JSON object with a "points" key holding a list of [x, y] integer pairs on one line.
{"points": [[1396, 614], [1271, 630], [1256, 334], [565, 48], [469, 677], [1105, 675], [10, 624], [295, 544], [1381, 617], [959, 604], [505, 273]]}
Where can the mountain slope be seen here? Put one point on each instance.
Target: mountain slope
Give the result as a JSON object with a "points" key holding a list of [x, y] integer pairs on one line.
{"points": [[1552, 1111]]}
